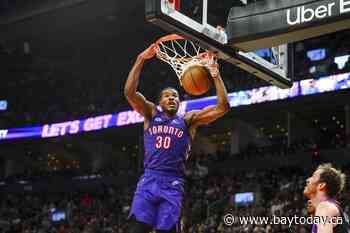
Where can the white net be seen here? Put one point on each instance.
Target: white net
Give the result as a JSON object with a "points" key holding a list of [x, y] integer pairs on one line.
{"points": [[181, 53]]}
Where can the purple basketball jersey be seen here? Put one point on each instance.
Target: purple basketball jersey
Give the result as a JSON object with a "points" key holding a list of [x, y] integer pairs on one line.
{"points": [[339, 228], [167, 144]]}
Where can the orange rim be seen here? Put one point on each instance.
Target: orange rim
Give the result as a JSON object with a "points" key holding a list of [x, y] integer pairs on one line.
{"points": [[168, 38], [172, 37]]}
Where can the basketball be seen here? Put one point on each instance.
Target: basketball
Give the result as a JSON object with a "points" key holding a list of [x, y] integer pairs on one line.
{"points": [[196, 80]]}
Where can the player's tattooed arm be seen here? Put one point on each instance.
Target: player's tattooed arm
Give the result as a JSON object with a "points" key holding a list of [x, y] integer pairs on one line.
{"points": [[138, 102], [211, 113]]}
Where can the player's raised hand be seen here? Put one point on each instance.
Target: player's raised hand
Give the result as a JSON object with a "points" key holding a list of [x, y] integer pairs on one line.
{"points": [[212, 64], [220, 28], [149, 52]]}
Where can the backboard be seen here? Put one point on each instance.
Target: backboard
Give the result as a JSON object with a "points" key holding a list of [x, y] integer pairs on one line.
{"points": [[194, 20]]}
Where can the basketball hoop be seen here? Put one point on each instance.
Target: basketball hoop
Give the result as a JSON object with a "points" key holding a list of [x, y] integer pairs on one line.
{"points": [[181, 53]]}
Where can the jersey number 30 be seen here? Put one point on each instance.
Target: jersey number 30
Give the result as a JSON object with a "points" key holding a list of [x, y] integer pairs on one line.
{"points": [[163, 142]]}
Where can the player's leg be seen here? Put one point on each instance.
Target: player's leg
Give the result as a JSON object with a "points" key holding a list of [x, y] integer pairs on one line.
{"points": [[168, 217], [144, 210], [139, 227], [169, 210]]}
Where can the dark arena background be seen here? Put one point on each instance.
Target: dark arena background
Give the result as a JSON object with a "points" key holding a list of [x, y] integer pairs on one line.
{"points": [[71, 148]]}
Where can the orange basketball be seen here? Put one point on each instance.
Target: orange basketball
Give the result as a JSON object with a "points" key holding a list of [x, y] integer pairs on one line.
{"points": [[196, 80]]}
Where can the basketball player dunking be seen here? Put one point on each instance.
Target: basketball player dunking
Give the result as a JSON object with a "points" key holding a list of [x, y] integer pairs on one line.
{"points": [[322, 188], [158, 197]]}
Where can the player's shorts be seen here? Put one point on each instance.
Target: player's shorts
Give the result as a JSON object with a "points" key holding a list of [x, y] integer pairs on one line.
{"points": [[158, 200]]}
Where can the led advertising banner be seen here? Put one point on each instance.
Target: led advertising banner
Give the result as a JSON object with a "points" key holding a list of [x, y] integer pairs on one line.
{"points": [[240, 98]]}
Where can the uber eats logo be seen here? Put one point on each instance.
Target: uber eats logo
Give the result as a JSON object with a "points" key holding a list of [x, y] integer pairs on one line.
{"points": [[304, 14]]}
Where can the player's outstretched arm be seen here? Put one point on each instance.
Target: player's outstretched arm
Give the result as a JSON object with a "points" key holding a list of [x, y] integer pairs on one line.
{"points": [[211, 113], [138, 102]]}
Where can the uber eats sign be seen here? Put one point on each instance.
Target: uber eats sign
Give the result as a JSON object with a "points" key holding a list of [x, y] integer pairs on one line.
{"points": [[268, 23], [304, 14]]}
